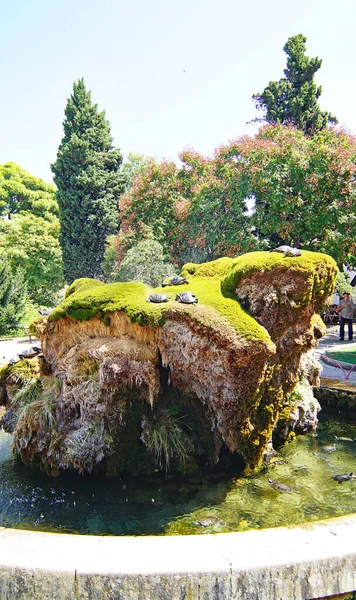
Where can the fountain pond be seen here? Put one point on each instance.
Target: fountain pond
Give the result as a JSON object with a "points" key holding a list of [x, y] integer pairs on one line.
{"points": [[94, 504]]}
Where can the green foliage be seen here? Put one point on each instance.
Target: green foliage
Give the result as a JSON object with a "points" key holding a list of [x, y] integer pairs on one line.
{"points": [[166, 441], [149, 209], [12, 299], [342, 284], [293, 99], [89, 183], [31, 243], [196, 212], [23, 373], [304, 188], [27, 394], [37, 416], [146, 263], [29, 232], [134, 166], [21, 192], [109, 265]]}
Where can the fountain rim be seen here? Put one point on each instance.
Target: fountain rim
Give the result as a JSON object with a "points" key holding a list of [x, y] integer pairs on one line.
{"points": [[273, 558]]}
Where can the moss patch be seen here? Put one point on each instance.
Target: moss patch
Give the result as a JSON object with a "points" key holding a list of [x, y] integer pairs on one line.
{"points": [[213, 283], [81, 284], [312, 265], [214, 309], [214, 268]]}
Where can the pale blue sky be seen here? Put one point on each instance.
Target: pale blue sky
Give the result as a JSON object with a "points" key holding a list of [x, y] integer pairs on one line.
{"points": [[169, 74]]}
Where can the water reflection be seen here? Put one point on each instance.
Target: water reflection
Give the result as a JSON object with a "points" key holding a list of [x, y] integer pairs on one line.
{"points": [[137, 506]]}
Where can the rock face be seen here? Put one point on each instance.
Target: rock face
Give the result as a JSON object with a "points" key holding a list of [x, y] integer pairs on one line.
{"points": [[126, 385]]}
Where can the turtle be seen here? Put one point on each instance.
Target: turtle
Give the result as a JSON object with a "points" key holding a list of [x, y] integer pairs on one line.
{"points": [[29, 353], [207, 521], [287, 251], [176, 280], [187, 298], [329, 449], [14, 360], [157, 298], [342, 478], [280, 487]]}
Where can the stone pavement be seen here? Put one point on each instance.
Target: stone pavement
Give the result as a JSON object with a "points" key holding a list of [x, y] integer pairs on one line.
{"points": [[10, 348], [331, 370]]}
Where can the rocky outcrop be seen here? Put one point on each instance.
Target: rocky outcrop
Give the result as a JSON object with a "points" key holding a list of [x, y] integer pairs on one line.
{"points": [[127, 385]]}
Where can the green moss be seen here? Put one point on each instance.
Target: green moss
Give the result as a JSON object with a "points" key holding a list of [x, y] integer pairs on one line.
{"points": [[319, 268], [95, 299], [23, 372], [214, 268], [213, 283], [81, 284], [214, 309], [4, 373]]}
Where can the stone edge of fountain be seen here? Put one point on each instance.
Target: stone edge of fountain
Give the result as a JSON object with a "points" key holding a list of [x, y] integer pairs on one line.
{"points": [[312, 560]]}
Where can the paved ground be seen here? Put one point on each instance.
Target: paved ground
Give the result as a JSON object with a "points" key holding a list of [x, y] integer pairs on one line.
{"points": [[333, 371], [10, 348]]}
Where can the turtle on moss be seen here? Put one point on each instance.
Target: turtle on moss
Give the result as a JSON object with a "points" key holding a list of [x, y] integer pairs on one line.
{"points": [[280, 487], [187, 298], [157, 298], [342, 478], [176, 280], [287, 251]]}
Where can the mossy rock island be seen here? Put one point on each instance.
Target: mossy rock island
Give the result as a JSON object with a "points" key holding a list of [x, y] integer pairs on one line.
{"points": [[126, 385]]}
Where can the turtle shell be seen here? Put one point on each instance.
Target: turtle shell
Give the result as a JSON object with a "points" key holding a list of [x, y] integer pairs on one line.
{"points": [[186, 298], [287, 251], [176, 280], [157, 298]]}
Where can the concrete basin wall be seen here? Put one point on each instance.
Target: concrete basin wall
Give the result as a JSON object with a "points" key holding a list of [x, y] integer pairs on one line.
{"points": [[288, 563]]}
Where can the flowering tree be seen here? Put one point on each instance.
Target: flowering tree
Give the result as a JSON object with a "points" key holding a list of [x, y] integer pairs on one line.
{"points": [[302, 190], [150, 208]]}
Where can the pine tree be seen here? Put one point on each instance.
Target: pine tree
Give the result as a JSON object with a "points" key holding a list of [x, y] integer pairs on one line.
{"points": [[89, 184], [294, 99]]}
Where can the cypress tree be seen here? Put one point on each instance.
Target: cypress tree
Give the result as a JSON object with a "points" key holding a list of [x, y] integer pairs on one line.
{"points": [[294, 98], [89, 181]]}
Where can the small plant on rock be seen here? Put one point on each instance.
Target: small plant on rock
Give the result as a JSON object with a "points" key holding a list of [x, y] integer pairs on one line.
{"points": [[166, 441]]}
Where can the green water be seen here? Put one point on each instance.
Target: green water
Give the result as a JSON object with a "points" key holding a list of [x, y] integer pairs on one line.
{"points": [[136, 506]]}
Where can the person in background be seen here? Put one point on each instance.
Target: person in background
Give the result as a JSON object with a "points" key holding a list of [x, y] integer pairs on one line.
{"points": [[346, 309], [334, 315]]}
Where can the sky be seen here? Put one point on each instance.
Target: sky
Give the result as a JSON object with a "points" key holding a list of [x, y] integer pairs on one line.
{"points": [[169, 74]]}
